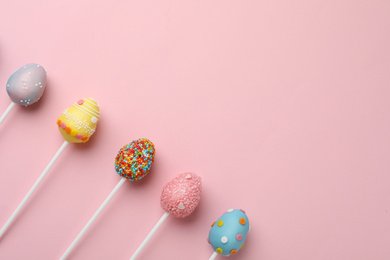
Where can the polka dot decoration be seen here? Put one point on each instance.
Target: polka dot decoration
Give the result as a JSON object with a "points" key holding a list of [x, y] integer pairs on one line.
{"points": [[227, 237]]}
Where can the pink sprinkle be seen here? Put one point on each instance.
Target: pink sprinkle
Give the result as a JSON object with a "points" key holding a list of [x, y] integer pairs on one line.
{"points": [[239, 237], [242, 210], [79, 136], [182, 191], [80, 102], [63, 125]]}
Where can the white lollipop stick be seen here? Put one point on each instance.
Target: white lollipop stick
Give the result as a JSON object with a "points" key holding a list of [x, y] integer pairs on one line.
{"points": [[30, 192], [82, 232], [149, 236], [6, 112], [213, 256]]}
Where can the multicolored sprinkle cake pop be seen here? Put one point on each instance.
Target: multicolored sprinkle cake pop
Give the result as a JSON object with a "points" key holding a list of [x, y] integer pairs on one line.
{"points": [[79, 120], [25, 86], [133, 162], [227, 235], [179, 197]]}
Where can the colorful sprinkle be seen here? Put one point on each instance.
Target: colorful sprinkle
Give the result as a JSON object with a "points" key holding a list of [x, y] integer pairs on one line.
{"points": [[219, 250], [134, 160], [213, 224], [84, 138], [80, 102], [233, 251], [63, 125], [67, 129], [220, 223], [224, 240], [73, 132], [239, 237], [79, 136], [242, 221]]}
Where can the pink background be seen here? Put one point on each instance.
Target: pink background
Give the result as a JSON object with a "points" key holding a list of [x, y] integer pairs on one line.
{"points": [[281, 106]]}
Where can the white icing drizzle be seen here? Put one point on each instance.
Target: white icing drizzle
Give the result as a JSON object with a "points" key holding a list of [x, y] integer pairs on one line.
{"points": [[82, 109], [90, 106], [78, 123]]}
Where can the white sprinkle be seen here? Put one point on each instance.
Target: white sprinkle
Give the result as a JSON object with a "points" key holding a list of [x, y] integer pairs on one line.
{"points": [[230, 210], [224, 240], [181, 206], [94, 120], [188, 176]]}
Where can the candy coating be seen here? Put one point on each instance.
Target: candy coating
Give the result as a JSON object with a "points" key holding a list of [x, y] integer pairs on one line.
{"points": [[181, 196], [27, 84], [134, 160], [78, 123], [228, 236]]}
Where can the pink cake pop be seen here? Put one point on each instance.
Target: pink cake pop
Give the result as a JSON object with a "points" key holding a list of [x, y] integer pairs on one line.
{"points": [[25, 86], [179, 197]]}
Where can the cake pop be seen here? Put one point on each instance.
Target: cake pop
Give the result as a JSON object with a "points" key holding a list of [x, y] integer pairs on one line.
{"points": [[76, 124], [179, 198], [25, 86], [133, 162], [227, 235]]}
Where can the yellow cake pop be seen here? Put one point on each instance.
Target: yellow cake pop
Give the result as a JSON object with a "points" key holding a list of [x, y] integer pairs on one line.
{"points": [[79, 122]]}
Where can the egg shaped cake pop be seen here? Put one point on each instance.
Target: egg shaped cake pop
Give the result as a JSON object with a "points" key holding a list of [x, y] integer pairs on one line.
{"points": [[78, 123], [134, 160], [227, 235], [27, 84], [181, 196]]}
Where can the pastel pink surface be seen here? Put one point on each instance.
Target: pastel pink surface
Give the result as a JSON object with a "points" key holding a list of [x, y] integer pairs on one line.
{"points": [[280, 106], [181, 196]]}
